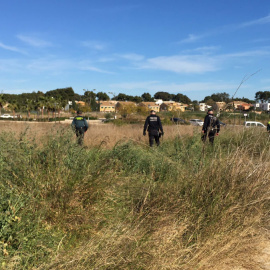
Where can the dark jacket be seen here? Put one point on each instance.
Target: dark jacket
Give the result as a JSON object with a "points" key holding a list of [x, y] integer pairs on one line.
{"points": [[152, 123], [211, 123], [79, 122]]}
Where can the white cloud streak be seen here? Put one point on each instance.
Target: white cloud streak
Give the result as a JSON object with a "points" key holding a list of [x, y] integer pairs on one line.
{"points": [[94, 45], [10, 48], [132, 56], [33, 41], [191, 38], [263, 20], [181, 64]]}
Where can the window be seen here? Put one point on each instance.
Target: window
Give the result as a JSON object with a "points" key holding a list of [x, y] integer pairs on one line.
{"points": [[260, 125]]}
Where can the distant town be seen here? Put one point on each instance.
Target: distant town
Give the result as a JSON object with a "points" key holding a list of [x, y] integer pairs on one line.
{"points": [[66, 100]]}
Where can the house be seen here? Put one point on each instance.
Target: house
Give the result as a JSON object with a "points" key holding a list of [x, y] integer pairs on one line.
{"points": [[221, 105], [240, 105], [265, 106], [158, 101], [107, 106], [203, 107], [235, 104], [151, 106], [177, 106], [244, 106], [80, 103]]}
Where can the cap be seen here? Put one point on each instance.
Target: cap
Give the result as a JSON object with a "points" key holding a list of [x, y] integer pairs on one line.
{"points": [[79, 112], [210, 110], [152, 111]]}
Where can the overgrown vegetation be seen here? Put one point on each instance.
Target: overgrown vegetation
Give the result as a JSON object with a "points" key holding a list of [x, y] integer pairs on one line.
{"points": [[179, 206]]}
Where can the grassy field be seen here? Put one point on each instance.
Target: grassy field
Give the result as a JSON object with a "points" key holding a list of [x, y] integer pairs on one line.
{"points": [[118, 204]]}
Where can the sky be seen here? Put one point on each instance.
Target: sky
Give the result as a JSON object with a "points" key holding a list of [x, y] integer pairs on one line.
{"points": [[195, 47]]}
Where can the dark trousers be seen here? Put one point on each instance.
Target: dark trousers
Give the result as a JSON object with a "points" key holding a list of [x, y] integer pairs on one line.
{"points": [[80, 135], [153, 135], [211, 136]]}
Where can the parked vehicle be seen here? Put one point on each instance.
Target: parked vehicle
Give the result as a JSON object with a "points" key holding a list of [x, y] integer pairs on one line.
{"points": [[196, 122], [254, 124], [178, 120], [6, 116]]}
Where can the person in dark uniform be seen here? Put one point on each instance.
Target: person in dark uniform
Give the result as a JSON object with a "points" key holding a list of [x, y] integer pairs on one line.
{"points": [[211, 127], [154, 127], [268, 127], [80, 126]]}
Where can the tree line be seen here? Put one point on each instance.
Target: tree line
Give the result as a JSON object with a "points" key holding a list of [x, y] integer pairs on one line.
{"points": [[55, 100]]}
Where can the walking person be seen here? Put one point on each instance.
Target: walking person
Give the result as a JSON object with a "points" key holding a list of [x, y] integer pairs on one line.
{"points": [[80, 126], [154, 127], [268, 128], [211, 127]]}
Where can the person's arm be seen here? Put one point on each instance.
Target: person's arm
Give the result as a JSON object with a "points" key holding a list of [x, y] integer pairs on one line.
{"points": [[205, 124], [160, 125], [218, 126], [73, 124], [86, 124], [146, 123]]}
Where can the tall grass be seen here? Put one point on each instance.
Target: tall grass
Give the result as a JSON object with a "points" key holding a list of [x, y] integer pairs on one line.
{"points": [[133, 207]]}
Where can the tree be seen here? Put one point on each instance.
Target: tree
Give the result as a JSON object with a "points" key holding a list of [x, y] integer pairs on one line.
{"points": [[102, 96], [126, 109], [42, 102], [263, 96], [90, 98], [62, 93], [218, 97], [121, 97], [2, 103], [13, 106], [146, 97], [163, 95], [50, 104], [29, 105], [181, 98], [136, 99]]}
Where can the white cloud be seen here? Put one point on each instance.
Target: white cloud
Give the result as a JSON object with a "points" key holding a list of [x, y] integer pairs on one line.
{"points": [[91, 68], [88, 65], [33, 41], [132, 57], [252, 53], [191, 38], [182, 63], [10, 48], [94, 45], [263, 20]]}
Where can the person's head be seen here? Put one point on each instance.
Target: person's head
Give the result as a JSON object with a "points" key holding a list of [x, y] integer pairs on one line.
{"points": [[79, 112], [210, 111], [153, 112]]}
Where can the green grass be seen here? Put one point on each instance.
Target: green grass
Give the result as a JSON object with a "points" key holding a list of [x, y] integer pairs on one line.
{"points": [[130, 207]]}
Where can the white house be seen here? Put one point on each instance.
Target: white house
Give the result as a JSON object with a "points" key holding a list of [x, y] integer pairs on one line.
{"points": [[265, 106], [203, 107]]}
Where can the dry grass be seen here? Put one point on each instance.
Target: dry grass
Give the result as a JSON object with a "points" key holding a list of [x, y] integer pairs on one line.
{"points": [[164, 208], [105, 135]]}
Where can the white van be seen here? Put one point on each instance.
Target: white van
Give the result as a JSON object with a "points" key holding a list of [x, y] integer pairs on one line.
{"points": [[254, 124]]}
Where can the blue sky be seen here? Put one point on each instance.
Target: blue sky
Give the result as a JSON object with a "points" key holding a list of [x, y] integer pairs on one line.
{"points": [[195, 47]]}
